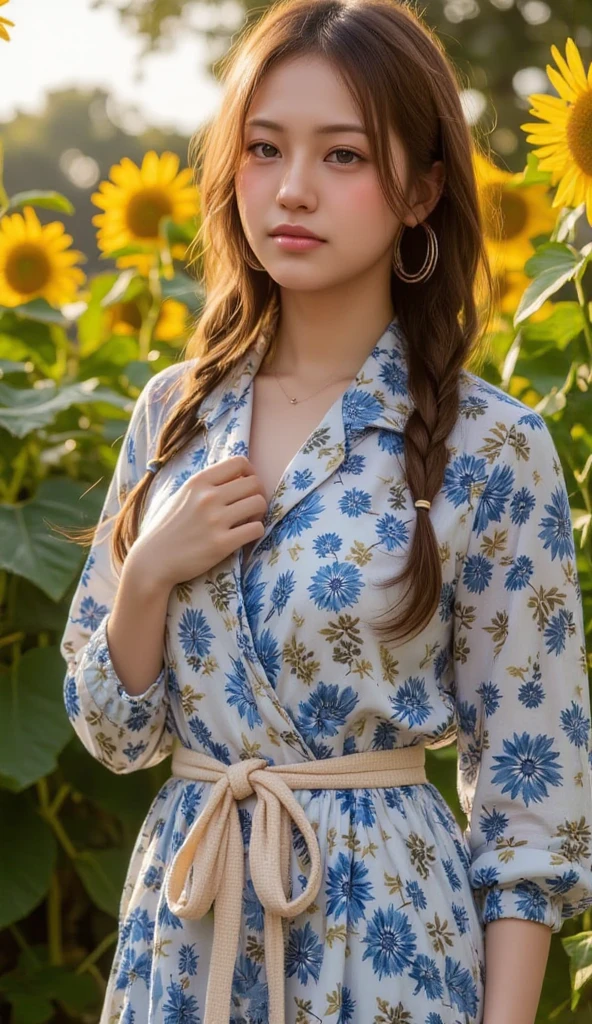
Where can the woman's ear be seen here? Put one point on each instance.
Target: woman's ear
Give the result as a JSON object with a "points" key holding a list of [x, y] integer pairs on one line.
{"points": [[427, 192]]}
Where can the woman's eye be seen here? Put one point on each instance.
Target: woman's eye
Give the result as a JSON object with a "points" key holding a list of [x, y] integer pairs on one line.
{"points": [[348, 152], [255, 144]]}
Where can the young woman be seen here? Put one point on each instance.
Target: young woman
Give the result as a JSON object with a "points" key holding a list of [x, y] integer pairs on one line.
{"points": [[327, 546]]}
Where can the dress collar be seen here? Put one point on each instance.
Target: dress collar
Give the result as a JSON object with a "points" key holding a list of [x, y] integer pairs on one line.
{"points": [[378, 395], [377, 398]]}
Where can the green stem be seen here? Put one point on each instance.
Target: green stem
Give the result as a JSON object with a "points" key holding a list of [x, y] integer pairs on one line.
{"points": [[149, 321], [23, 945], [21, 462], [45, 811], [54, 927], [585, 313], [97, 953], [63, 792], [11, 638]]}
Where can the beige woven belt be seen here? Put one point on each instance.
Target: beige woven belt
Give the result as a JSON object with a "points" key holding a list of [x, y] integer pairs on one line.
{"points": [[213, 848]]}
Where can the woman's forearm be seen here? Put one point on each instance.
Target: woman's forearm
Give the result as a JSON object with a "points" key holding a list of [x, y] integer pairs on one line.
{"points": [[516, 954], [135, 628]]}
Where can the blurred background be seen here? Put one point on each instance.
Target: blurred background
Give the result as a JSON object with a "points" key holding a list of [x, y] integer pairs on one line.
{"points": [[105, 77]]}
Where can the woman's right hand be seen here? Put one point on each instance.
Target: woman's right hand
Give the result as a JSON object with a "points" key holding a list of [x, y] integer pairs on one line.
{"points": [[215, 511]]}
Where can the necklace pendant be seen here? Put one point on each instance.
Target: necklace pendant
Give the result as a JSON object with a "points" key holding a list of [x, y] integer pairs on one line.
{"points": [[293, 401]]}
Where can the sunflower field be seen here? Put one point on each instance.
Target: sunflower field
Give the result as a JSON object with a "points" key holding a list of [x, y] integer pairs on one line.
{"points": [[75, 354]]}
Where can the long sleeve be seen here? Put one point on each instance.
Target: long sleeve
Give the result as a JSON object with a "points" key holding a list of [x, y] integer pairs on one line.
{"points": [[122, 731], [522, 696]]}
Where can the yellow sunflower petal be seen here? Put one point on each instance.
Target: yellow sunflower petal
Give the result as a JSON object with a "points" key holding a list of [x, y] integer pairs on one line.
{"points": [[572, 79], [566, 189], [547, 133], [548, 150], [563, 87], [169, 165], [575, 64], [589, 202], [546, 99], [150, 168]]}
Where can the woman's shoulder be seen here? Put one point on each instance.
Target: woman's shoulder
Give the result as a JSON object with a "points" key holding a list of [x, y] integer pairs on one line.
{"points": [[490, 397], [484, 406], [498, 433], [164, 388]]}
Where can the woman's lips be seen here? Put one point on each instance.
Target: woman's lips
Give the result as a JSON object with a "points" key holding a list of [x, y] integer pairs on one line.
{"points": [[297, 243]]}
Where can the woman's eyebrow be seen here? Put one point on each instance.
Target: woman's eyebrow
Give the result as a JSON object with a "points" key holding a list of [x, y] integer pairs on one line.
{"points": [[324, 129]]}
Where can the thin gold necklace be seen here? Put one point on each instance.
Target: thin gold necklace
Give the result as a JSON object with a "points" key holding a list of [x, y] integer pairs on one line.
{"points": [[297, 401]]}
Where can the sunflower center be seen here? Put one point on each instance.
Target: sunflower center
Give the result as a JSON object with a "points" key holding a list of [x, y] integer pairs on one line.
{"points": [[27, 268], [145, 210], [129, 313], [579, 132], [512, 208]]}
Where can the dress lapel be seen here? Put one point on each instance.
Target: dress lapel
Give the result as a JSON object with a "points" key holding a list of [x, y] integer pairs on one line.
{"points": [[377, 399]]}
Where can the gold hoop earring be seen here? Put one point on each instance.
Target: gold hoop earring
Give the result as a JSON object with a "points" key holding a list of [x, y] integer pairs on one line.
{"points": [[244, 247], [429, 264]]}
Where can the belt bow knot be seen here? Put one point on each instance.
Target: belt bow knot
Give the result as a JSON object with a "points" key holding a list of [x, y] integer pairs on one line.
{"points": [[239, 776], [209, 866]]}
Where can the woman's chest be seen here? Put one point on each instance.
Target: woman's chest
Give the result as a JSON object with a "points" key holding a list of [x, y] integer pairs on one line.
{"points": [[278, 431]]}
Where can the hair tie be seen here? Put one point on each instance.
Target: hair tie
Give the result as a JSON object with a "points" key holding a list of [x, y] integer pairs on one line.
{"points": [[154, 465], [423, 503]]}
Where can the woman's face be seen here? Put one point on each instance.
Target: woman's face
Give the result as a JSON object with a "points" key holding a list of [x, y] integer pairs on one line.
{"points": [[304, 174]]}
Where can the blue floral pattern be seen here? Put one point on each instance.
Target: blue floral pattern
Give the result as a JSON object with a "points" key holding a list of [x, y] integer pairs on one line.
{"points": [[273, 657]]}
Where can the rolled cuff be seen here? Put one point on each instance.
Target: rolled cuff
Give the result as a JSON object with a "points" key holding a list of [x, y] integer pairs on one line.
{"points": [[535, 885], [106, 688]]}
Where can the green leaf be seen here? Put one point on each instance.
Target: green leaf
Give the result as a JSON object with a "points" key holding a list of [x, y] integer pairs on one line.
{"points": [[568, 219], [46, 200], [579, 950], [90, 324], [34, 726], [29, 548], [31, 1009], [32, 985], [551, 256], [138, 372], [110, 358], [557, 330], [127, 287], [23, 410], [102, 872], [28, 853], [39, 309], [545, 374], [12, 366], [552, 265], [35, 611], [135, 249], [126, 796], [532, 175], [178, 233], [184, 289]]}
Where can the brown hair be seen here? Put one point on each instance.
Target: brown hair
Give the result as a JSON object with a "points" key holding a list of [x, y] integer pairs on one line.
{"points": [[398, 75]]}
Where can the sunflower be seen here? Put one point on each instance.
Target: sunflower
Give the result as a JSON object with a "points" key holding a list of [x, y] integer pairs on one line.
{"points": [[126, 318], [35, 261], [565, 141], [512, 214], [3, 23], [136, 200]]}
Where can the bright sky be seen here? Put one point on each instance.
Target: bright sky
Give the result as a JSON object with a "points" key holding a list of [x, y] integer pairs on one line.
{"points": [[66, 44]]}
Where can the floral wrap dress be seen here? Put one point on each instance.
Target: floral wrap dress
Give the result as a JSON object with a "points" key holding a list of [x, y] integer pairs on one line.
{"points": [[273, 657]]}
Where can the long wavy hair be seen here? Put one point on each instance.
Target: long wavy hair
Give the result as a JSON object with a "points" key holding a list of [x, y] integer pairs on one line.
{"points": [[399, 76]]}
